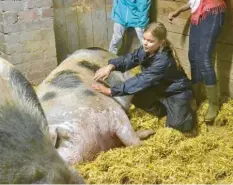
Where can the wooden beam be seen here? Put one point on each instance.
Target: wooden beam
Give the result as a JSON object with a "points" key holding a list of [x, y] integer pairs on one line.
{"points": [[99, 21], [85, 24], [71, 21], [60, 30]]}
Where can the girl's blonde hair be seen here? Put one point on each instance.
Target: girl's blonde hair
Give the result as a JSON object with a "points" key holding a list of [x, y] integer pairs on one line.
{"points": [[159, 31]]}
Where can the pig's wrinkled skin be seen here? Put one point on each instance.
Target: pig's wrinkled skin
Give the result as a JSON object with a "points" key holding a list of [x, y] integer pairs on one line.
{"points": [[26, 151], [82, 121]]}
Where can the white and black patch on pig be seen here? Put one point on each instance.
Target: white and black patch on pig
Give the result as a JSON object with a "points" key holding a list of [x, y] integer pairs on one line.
{"points": [[66, 79], [92, 67], [89, 93], [48, 96], [97, 49]]}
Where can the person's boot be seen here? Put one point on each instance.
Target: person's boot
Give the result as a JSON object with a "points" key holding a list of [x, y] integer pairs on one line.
{"points": [[198, 95], [212, 96]]}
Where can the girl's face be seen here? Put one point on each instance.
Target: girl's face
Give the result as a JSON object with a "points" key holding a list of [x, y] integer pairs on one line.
{"points": [[150, 43]]}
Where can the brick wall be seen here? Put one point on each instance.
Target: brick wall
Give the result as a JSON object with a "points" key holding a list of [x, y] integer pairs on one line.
{"points": [[27, 36]]}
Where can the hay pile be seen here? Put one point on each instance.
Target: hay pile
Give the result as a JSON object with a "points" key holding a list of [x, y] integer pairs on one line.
{"points": [[203, 156]]}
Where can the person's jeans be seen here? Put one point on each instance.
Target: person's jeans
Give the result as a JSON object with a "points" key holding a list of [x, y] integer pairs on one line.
{"points": [[177, 107], [202, 41], [118, 33]]}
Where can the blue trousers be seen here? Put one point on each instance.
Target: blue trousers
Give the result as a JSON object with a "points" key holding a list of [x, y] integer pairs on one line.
{"points": [[202, 41], [177, 107]]}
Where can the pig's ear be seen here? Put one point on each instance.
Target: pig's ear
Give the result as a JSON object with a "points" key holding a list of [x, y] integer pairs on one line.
{"points": [[53, 136], [18, 83], [20, 87], [26, 97], [21, 92]]}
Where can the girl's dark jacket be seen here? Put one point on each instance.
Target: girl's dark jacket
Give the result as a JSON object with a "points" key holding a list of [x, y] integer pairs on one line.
{"points": [[159, 71]]}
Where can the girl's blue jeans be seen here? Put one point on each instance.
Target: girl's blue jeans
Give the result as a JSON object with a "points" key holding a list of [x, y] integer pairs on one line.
{"points": [[202, 41]]}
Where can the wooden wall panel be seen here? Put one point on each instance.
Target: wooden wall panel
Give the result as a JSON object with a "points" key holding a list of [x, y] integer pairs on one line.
{"points": [[109, 21], [165, 7], [71, 26], [99, 21], [60, 30], [85, 24]]}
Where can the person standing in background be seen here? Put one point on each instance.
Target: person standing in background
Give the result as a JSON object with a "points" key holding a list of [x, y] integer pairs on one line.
{"points": [[125, 14], [206, 23]]}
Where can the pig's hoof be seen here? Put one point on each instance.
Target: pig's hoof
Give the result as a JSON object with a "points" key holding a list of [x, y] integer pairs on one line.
{"points": [[144, 134]]}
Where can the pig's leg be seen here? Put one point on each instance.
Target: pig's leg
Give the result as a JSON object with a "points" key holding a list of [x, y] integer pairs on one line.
{"points": [[144, 134], [126, 134]]}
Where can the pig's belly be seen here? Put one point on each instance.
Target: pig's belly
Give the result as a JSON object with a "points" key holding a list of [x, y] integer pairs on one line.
{"points": [[85, 145], [89, 132]]}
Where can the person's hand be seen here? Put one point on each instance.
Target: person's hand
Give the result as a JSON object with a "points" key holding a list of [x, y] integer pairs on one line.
{"points": [[103, 72], [102, 89], [173, 15]]}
